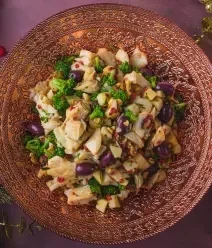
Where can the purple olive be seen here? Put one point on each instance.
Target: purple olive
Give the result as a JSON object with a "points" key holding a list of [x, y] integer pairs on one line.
{"points": [[166, 87], [33, 127], [163, 150], [153, 169], [122, 124], [76, 75], [85, 168], [166, 113], [146, 71], [106, 159]]}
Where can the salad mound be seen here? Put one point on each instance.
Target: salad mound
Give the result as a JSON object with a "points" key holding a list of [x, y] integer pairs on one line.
{"points": [[108, 127]]}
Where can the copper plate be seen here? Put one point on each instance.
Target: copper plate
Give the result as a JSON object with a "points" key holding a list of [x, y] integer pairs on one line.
{"points": [[173, 55]]}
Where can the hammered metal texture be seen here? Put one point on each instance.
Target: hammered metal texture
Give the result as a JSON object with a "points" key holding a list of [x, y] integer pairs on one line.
{"points": [[173, 55]]}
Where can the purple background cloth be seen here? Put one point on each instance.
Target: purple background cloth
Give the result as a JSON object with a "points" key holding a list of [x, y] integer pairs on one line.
{"points": [[17, 17]]}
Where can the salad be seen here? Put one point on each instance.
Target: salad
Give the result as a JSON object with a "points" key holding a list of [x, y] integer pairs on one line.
{"points": [[108, 127]]}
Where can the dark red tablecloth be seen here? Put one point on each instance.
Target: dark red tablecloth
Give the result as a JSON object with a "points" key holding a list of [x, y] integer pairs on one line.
{"points": [[17, 17]]}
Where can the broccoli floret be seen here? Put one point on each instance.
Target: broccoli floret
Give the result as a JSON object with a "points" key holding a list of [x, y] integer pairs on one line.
{"points": [[119, 94], [69, 59], [121, 187], [179, 110], [34, 110], [38, 148], [97, 112], [58, 151], [98, 67], [110, 190], [94, 186], [65, 87], [27, 137], [94, 96], [108, 80], [60, 103], [125, 67], [132, 117], [78, 93], [63, 66], [152, 80], [35, 146]]}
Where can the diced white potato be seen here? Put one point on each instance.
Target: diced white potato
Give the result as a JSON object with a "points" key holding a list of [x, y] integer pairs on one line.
{"points": [[107, 56], [166, 129], [120, 76], [82, 155], [51, 124], [137, 78], [43, 105], [158, 103], [86, 57], [112, 112], [102, 98], [89, 74], [60, 168], [78, 112], [172, 140], [86, 97], [142, 163], [170, 123], [122, 56], [116, 151], [98, 176], [50, 94], [79, 65], [94, 142], [42, 173], [153, 112], [134, 108], [160, 93], [54, 184], [41, 88], [150, 94], [101, 205], [109, 70], [114, 202], [60, 135], [107, 133], [89, 86], [72, 146], [123, 195], [75, 129], [138, 59], [117, 175], [161, 177], [159, 137], [132, 136], [152, 180], [107, 180], [130, 165], [95, 123], [145, 103], [80, 195], [138, 126], [100, 152], [138, 180], [157, 123], [88, 54]]}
